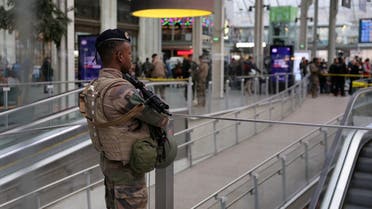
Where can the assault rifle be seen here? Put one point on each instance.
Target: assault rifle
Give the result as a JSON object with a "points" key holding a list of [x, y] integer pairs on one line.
{"points": [[151, 99]]}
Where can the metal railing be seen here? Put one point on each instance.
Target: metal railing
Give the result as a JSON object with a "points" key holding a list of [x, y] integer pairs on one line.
{"points": [[275, 107], [273, 177]]}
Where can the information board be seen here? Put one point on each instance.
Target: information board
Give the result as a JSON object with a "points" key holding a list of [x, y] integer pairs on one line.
{"points": [[88, 66], [365, 30], [281, 60]]}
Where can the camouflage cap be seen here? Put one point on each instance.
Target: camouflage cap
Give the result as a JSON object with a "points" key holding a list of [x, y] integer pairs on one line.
{"points": [[111, 35]]}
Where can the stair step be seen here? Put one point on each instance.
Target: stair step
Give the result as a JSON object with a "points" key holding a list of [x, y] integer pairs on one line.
{"points": [[362, 181], [360, 197], [364, 165]]}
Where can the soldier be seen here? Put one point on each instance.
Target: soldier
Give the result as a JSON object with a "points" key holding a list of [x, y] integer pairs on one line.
{"points": [[118, 120], [158, 72], [201, 79]]}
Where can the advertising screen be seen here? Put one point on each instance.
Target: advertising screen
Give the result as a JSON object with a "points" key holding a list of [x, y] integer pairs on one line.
{"points": [[365, 30], [88, 66], [281, 60]]}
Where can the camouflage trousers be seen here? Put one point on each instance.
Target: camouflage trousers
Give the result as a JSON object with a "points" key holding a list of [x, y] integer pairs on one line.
{"points": [[125, 196]]}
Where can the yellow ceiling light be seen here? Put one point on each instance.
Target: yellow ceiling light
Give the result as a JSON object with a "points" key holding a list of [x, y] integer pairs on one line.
{"points": [[171, 8]]}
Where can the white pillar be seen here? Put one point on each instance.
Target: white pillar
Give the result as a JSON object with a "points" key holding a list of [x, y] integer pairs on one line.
{"points": [[258, 34], [108, 14], [333, 10], [305, 4], [197, 44], [65, 61], [218, 50], [149, 38]]}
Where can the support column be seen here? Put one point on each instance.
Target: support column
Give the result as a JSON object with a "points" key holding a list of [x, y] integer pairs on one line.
{"points": [[258, 34], [333, 9], [218, 50], [315, 29], [305, 4], [108, 14], [65, 60], [197, 44], [149, 38]]}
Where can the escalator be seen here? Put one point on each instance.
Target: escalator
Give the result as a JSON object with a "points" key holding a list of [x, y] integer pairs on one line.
{"points": [[359, 192]]}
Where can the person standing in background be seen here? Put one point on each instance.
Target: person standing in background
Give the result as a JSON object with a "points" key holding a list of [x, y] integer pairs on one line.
{"points": [[47, 71], [201, 80], [159, 71], [314, 76]]}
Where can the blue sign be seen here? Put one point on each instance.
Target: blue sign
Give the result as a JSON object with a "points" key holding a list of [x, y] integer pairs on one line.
{"points": [[281, 60], [365, 30], [89, 66]]}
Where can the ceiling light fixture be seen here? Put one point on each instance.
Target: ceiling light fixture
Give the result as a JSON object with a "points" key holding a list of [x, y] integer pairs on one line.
{"points": [[171, 8]]}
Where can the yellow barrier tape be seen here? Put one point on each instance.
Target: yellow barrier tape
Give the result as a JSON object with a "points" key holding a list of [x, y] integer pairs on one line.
{"points": [[348, 75]]}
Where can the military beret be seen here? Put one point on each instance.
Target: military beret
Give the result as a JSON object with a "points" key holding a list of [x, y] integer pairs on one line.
{"points": [[111, 35]]}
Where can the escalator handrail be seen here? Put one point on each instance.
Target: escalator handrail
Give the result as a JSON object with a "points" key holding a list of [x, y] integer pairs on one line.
{"points": [[40, 102]]}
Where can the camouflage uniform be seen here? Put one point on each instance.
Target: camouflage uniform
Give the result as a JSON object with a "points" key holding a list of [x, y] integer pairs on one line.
{"points": [[201, 79], [124, 188]]}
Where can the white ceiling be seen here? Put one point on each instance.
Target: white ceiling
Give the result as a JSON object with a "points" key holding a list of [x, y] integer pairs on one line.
{"points": [[238, 15]]}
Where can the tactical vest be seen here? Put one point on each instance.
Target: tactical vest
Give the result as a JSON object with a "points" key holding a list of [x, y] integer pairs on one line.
{"points": [[112, 138]]}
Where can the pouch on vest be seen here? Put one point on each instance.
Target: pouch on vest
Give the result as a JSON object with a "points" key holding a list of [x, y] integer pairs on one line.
{"points": [[167, 148], [144, 155]]}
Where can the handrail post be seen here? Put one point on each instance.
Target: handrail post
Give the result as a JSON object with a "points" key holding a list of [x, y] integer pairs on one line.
{"points": [[164, 187], [6, 97], [306, 156], [189, 95], [209, 96], [325, 139], [6, 90], [189, 153], [215, 135], [256, 86], [222, 201], [255, 118], [293, 98], [88, 181], [227, 92], [276, 84], [267, 85], [237, 123], [286, 81], [242, 91], [255, 191], [38, 202], [284, 177], [164, 182]]}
